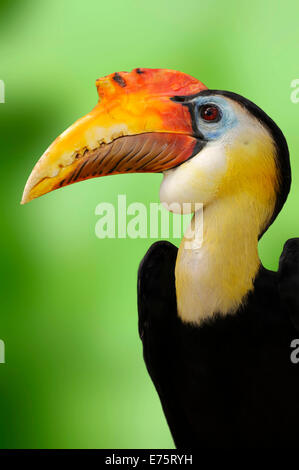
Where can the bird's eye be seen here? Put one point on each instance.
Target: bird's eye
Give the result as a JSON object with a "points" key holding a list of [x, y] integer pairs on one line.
{"points": [[210, 112]]}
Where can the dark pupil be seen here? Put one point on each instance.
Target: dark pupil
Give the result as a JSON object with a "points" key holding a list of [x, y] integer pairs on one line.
{"points": [[210, 113]]}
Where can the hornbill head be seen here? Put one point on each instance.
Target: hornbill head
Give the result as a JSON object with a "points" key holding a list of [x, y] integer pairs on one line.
{"points": [[208, 143]]}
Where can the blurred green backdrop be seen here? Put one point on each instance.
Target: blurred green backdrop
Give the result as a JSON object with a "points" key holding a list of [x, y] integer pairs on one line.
{"points": [[74, 374]]}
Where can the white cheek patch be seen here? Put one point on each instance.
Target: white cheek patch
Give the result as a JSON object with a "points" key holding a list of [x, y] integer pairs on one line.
{"points": [[210, 160], [196, 180]]}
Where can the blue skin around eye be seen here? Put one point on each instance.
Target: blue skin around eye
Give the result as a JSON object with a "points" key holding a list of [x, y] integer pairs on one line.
{"points": [[214, 130]]}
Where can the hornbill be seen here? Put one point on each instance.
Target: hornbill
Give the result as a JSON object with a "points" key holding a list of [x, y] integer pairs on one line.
{"points": [[216, 326]]}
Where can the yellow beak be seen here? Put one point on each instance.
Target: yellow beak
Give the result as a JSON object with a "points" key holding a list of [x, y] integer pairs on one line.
{"points": [[135, 127]]}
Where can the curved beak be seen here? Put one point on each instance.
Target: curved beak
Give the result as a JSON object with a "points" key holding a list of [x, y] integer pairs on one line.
{"points": [[135, 127]]}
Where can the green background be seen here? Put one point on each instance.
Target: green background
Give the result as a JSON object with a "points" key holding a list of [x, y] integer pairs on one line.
{"points": [[74, 375]]}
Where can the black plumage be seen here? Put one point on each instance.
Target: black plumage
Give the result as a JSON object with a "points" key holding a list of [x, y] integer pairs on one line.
{"points": [[229, 382]]}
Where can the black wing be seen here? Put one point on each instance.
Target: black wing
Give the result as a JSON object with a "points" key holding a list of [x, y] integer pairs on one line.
{"points": [[216, 382], [159, 326], [288, 275]]}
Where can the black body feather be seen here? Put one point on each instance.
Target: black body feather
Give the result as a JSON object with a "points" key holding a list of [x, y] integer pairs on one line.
{"points": [[230, 382]]}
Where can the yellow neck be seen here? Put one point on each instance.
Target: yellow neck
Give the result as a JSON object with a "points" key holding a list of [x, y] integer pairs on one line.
{"points": [[217, 276]]}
